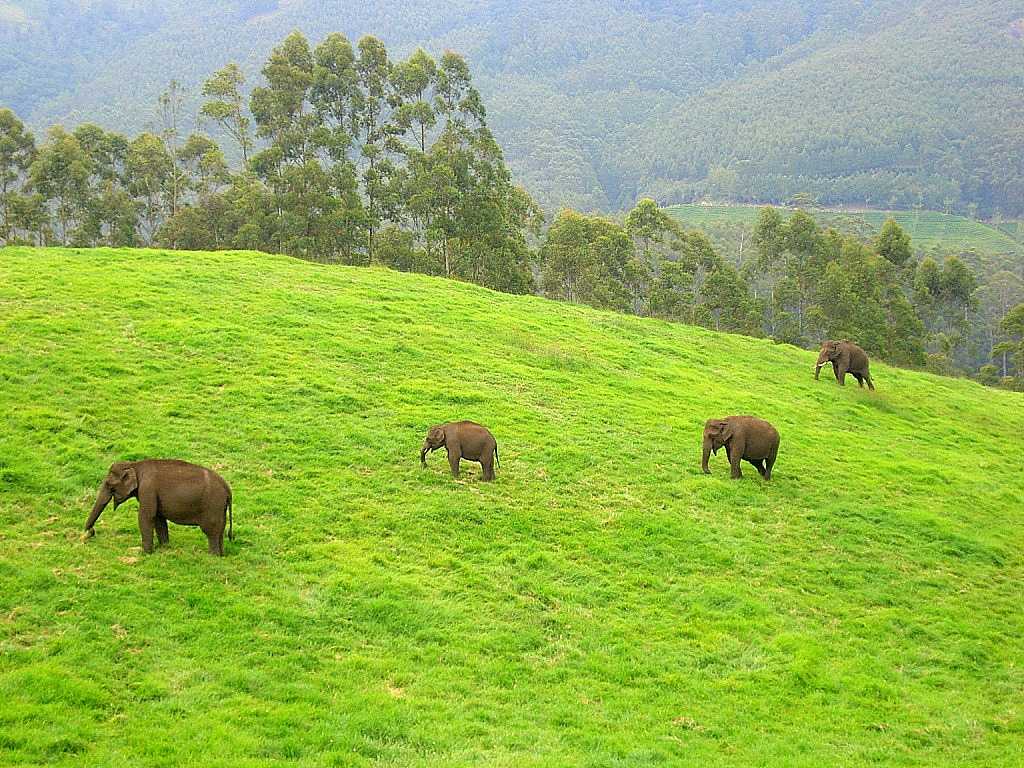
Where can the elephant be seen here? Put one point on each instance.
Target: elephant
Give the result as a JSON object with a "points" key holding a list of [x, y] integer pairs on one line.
{"points": [[744, 437], [168, 489], [463, 440], [846, 357]]}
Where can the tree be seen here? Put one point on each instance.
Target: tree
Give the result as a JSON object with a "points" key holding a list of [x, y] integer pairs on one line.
{"points": [[893, 243], [374, 129], [226, 106], [793, 256], [60, 174], [1001, 292], [171, 106], [584, 258], [17, 150], [314, 209], [111, 216], [455, 97], [148, 168], [413, 79], [1013, 327]]}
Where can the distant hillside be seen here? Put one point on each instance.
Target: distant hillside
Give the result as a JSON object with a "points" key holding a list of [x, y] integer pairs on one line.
{"points": [[927, 229], [886, 103], [602, 604]]}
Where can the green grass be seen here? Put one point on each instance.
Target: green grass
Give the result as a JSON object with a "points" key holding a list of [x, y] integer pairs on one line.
{"points": [[928, 229], [602, 604]]}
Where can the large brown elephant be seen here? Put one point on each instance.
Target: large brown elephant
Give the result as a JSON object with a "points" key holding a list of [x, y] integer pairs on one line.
{"points": [[167, 489], [463, 440], [744, 438], [846, 358]]}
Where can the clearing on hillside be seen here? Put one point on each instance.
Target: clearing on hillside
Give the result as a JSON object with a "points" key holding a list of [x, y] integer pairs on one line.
{"points": [[602, 603]]}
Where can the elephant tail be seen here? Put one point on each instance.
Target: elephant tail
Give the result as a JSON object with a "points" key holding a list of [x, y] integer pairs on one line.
{"points": [[496, 457], [231, 519]]}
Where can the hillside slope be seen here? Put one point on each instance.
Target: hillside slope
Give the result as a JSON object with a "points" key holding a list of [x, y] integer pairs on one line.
{"points": [[995, 246], [878, 102], [602, 603]]}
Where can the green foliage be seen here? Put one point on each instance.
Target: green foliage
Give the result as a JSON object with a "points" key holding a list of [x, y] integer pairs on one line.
{"points": [[349, 142], [648, 266], [17, 149], [602, 603], [893, 243], [844, 101], [226, 106], [1012, 326], [730, 227], [59, 174]]}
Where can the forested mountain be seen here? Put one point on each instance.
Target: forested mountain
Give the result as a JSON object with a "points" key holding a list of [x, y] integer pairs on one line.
{"points": [[891, 102]]}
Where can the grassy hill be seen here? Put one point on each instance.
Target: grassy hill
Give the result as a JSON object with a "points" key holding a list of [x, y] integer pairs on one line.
{"points": [[601, 604]]}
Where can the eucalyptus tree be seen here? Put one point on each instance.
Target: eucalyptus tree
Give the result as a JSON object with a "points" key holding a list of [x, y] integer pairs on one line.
{"points": [[225, 105], [148, 169], [60, 174], [375, 130], [111, 213], [17, 150], [302, 193]]}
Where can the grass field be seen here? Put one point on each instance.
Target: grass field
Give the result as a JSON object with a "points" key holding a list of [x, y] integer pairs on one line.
{"points": [[602, 604], [927, 229]]}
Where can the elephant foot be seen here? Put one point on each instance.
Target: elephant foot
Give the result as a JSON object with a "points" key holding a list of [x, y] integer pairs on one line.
{"points": [[88, 534]]}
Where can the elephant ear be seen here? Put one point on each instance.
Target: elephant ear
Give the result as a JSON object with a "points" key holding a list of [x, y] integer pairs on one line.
{"points": [[129, 480], [727, 431]]}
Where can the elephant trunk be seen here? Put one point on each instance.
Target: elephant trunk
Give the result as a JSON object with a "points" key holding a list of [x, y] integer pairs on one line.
{"points": [[706, 455], [822, 360], [423, 453], [101, 502]]}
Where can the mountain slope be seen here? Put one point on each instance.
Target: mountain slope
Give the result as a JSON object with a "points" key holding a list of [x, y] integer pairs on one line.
{"points": [[602, 603], [922, 109], [888, 102]]}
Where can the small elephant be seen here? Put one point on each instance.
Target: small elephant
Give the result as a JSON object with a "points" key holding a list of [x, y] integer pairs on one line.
{"points": [[743, 437], [846, 357], [463, 440], [167, 489]]}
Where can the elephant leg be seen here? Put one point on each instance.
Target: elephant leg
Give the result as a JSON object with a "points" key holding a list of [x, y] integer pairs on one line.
{"points": [[162, 535], [835, 370], [487, 463], [770, 462], [453, 462], [860, 380], [148, 507], [841, 377], [146, 521], [734, 460], [215, 538], [758, 464], [871, 384]]}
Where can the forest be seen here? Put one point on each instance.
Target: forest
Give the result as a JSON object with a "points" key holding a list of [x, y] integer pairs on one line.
{"points": [[348, 155], [885, 103]]}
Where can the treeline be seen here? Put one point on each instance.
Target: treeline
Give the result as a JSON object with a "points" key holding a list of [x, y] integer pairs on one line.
{"points": [[349, 157], [799, 283]]}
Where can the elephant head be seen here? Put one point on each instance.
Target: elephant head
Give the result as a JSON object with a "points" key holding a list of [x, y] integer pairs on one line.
{"points": [[120, 484], [435, 439], [717, 432], [830, 350]]}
